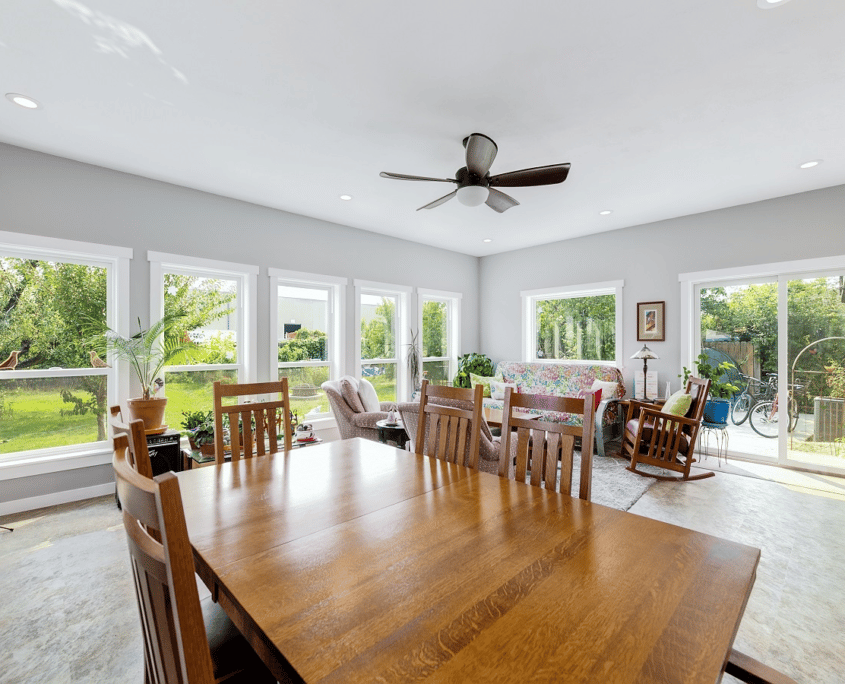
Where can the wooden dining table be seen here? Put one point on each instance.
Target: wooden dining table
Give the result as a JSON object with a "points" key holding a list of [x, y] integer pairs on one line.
{"points": [[354, 561]]}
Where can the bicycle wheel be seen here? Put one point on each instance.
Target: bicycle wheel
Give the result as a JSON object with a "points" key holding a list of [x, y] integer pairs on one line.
{"points": [[740, 408], [763, 420]]}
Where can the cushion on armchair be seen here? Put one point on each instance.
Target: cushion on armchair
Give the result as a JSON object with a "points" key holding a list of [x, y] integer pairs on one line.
{"points": [[368, 395], [349, 392]]}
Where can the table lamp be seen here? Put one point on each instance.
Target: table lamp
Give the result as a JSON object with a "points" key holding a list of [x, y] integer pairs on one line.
{"points": [[645, 354]]}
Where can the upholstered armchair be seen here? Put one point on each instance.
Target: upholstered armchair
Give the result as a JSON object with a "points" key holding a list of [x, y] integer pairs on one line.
{"points": [[488, 461], [348, 408]]}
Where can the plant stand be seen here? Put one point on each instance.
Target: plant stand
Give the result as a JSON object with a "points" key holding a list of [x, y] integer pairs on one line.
{"points": [[720, 432]]}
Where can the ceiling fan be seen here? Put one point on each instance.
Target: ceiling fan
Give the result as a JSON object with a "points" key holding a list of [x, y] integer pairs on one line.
{"points": [[476, 185]]}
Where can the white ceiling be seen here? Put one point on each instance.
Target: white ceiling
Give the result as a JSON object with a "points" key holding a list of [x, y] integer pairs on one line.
{"points": [[663, 107]]}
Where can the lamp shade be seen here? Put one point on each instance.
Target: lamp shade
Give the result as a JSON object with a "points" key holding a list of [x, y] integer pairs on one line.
{"points": [[645, 353]]}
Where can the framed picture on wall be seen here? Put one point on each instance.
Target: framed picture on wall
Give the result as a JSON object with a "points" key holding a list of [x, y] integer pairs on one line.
{"points": [[651, 322]]}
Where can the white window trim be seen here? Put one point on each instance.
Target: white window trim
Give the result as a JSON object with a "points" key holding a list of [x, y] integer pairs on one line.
{"points": [[404, 315], [247, 277], [529, 333], [454, 333], [337, 313], [116, 259]]}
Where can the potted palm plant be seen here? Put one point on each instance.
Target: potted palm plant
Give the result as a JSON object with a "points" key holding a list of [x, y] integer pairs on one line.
{"points": [[721, 389], [148, 352]]}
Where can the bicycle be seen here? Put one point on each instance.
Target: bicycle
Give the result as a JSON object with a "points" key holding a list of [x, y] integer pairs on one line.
{"points": [[754, 392], [764, 417]]}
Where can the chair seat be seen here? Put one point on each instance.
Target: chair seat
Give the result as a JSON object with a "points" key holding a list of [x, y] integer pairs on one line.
{"points": [[368, 420], [632, 426], [231, 655]]}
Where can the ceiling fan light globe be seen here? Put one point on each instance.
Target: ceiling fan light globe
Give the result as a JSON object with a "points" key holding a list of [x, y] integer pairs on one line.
{"points": [[472, 195]]}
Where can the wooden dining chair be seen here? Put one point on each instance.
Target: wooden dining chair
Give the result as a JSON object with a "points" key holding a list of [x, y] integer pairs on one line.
{"points": [[450, 433], [747, 669], [138, 455], [665, 440], [253, 426], [178, 631], [542, 444]]}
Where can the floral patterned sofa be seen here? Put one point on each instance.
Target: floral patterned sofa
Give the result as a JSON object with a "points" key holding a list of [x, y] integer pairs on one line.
{"points": [[567, 380]]}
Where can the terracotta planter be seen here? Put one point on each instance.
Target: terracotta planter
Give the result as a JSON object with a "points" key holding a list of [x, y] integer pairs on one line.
{"points": [[207, 449], [151, 411]]}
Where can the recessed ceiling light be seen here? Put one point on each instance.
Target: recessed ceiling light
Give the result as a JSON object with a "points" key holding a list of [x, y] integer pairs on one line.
{"points": [[346, 198], [22, 100], [810, 164], [770, 4], [606, 212], [487, 240]]}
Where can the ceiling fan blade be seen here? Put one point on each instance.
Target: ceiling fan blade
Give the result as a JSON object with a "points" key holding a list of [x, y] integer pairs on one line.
{"points": [[402, 176], [438, 202], [539, 175], [481, 151], [499, 201]]}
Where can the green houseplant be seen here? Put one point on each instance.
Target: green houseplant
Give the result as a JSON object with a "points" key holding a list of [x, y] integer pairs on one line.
{"points": [[479, 364], [721, 388], [148, 352]]}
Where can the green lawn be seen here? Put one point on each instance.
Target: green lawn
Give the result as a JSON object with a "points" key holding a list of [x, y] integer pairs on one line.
{"points": [[32, 419]]}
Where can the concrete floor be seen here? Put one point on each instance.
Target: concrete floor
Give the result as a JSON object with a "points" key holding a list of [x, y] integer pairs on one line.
{"points": [[69, 615]]}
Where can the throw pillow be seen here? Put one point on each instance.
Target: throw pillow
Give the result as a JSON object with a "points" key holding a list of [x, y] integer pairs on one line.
{"points": [[497, 389], [596, 397], [485, 381], [350, 395], [608, 389], [368, 395], [678, 404]]}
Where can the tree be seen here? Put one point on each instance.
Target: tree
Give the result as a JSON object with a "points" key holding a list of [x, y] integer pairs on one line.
{"points": [[434, 329], [305, 345], [577, 328]]}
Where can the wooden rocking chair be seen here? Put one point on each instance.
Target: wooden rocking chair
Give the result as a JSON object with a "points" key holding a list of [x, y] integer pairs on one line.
{"points": [[663, 439]]}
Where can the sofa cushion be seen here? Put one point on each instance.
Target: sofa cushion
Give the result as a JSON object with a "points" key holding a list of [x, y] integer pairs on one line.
{"points": [[349, 392], [368, 395], [484, 381], [497, 389]]}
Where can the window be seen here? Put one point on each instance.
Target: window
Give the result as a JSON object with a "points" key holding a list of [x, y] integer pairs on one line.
{"points": [[216, 305], [575, 323], [382, 319], [306, 336], [56, 295], [439, 326]]}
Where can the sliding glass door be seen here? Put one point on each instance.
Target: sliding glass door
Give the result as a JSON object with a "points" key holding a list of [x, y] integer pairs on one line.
{"points": [[785, 336]]}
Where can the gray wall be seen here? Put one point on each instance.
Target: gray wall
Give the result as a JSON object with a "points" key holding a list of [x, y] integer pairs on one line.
{"points": [[51, 196], [650, 257]]}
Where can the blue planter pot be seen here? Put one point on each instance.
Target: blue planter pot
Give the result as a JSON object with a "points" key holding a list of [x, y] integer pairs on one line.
{"points": [[716, 411]]}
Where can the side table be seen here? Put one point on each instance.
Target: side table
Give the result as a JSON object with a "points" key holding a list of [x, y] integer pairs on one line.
{"points": [[393, 432], [197, 459]]}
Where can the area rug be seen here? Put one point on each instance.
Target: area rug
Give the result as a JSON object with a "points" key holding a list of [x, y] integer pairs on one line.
{"points": [[613, 486]]}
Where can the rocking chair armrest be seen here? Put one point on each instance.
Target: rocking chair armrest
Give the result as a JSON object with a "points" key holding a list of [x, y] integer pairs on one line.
{"points": [[634, 407], [654, 413]]}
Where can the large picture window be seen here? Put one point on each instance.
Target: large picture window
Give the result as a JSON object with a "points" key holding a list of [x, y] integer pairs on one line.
{"points": [[578, 323], [54, 389], [307, 336], [211, 301]]}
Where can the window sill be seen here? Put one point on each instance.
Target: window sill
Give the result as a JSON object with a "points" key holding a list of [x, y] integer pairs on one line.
{"points": [[27, 465]]}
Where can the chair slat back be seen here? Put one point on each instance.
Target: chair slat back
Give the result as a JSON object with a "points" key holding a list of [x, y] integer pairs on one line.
{"points": [[138, 455], [541, 444], [175, 644], [443, 430], [253, 427]]}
